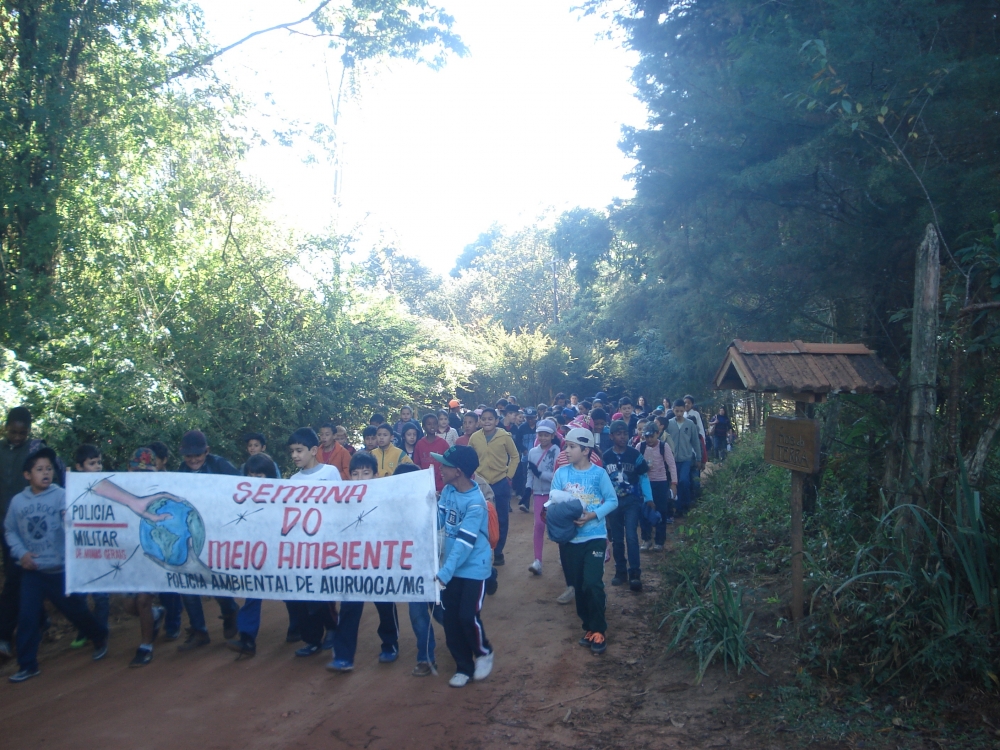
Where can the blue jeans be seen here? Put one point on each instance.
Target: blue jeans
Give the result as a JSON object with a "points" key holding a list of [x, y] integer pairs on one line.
{"points": [[196, 613], [623, 525], [311, 619], [36, 587], [102, 608], [663, 503], [683, 487], [345, 638], [420, 619], [501, 492], [174, 608]]}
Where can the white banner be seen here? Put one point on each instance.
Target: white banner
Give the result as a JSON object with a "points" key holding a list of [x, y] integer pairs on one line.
{"points": [[216, 535]]}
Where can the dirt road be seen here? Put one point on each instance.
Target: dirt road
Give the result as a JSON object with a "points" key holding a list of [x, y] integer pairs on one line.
{"points": [[206, 699]]}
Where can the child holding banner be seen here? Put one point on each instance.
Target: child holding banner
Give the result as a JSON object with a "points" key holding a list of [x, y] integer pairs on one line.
{"points": [[196, 459], [345, 639], [420, 619], [463, 517], [33, 529], [88, 459], [313, 617]]}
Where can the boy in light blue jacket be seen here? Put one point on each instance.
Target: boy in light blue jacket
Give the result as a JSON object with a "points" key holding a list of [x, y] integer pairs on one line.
{"points": [[583, 556], [464, 519]]}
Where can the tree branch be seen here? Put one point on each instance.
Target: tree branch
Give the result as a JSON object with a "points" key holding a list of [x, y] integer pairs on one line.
{"points": [[979, 306], [219, 52]]}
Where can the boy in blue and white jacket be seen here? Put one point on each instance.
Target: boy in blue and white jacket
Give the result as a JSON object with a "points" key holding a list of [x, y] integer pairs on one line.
{"points": [[583, 556], [464, 520]]}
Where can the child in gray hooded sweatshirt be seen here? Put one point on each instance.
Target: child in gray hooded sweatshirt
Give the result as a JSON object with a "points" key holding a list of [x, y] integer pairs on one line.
{"points": [[33, 529]]}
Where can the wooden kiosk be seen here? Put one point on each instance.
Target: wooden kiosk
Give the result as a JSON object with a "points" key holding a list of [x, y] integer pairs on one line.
{"points": [[806, 374]]}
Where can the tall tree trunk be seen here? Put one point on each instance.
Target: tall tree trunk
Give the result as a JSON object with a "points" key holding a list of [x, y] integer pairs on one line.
{"points": [[923, 369]]}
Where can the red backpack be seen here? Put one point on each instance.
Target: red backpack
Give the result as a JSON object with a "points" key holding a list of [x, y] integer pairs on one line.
{"points": [[493, 524]]}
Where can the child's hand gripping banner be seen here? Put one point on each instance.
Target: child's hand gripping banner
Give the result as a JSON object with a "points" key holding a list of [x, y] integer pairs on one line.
{"points": [[286, 539]]}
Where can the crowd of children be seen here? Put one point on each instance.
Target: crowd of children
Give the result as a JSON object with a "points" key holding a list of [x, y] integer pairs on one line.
{"points": [[589, 470]]}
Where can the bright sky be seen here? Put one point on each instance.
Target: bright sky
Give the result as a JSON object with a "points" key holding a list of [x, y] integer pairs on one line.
{"points": [[526, 124]]}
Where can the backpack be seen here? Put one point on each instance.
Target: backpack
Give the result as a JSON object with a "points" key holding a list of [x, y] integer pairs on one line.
{"points": [[493, 524]]}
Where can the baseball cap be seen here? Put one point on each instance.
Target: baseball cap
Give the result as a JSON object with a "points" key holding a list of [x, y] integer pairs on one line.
{"points": [[581, 436], [659, 409], [618, 425], [650, 429], [601, 396], [511, 409], [569, 413], [531, 411], [546, 425], [460, 457], [193, 443], [454, 403], [142, 460]]}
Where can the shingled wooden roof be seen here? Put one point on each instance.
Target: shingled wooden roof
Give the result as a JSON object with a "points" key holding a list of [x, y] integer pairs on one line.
{"points": [[803, 371]]}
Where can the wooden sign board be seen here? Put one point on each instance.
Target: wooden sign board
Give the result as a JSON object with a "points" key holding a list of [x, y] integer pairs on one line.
{"points": [[792, 444]]}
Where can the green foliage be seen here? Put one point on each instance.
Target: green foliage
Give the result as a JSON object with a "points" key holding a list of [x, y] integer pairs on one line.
{"points": [[715, 626], [142, 290], [886, 609]]}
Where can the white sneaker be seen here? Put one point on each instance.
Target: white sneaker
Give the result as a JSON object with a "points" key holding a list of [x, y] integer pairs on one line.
{"points": [[536, 567], [459, 680], [484, 665], [656, 548], [645, 546], [567, 596]]}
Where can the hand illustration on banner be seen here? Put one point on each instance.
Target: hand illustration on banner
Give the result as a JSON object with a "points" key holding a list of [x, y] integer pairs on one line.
{"points": [[171, 532]]}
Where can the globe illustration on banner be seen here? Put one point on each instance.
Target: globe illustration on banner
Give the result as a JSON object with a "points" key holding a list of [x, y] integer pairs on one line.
{"points": [[166, 541]]}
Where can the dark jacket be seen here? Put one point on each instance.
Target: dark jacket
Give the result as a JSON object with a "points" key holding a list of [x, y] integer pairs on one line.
{"points": [[12, 478], [213, 465], [559, 518]]}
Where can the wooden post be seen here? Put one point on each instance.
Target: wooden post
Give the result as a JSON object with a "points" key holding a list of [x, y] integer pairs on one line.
{"points": [[798, 480], [923, 367]]}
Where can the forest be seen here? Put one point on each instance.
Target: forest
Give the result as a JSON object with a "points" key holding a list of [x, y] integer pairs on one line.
{"points": [[794, 155]]}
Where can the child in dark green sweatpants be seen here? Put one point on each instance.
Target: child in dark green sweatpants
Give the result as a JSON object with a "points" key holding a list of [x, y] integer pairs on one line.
{"points": [[584, 554]]}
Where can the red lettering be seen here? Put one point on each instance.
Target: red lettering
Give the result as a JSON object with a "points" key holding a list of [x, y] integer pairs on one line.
{"points": [[219, 553], [293, 490], [352, 555], [392, 547], [358, 491], [237, 556], [286, 554], [289, 522], [330, 557], [372, 554], [318, 519], [243, 487], [339, 493], [315, 493], [262, 493], [310, 549], [258, 547], [404, 555]]}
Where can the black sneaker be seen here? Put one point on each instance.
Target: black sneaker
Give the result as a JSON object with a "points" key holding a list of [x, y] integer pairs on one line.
{"points": [[142, 657], [229, 628], [619, 579], [492, 583], [498, 559], [524, 508], [293, 637], [635, 585], [242, 647], [195, 640]]}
